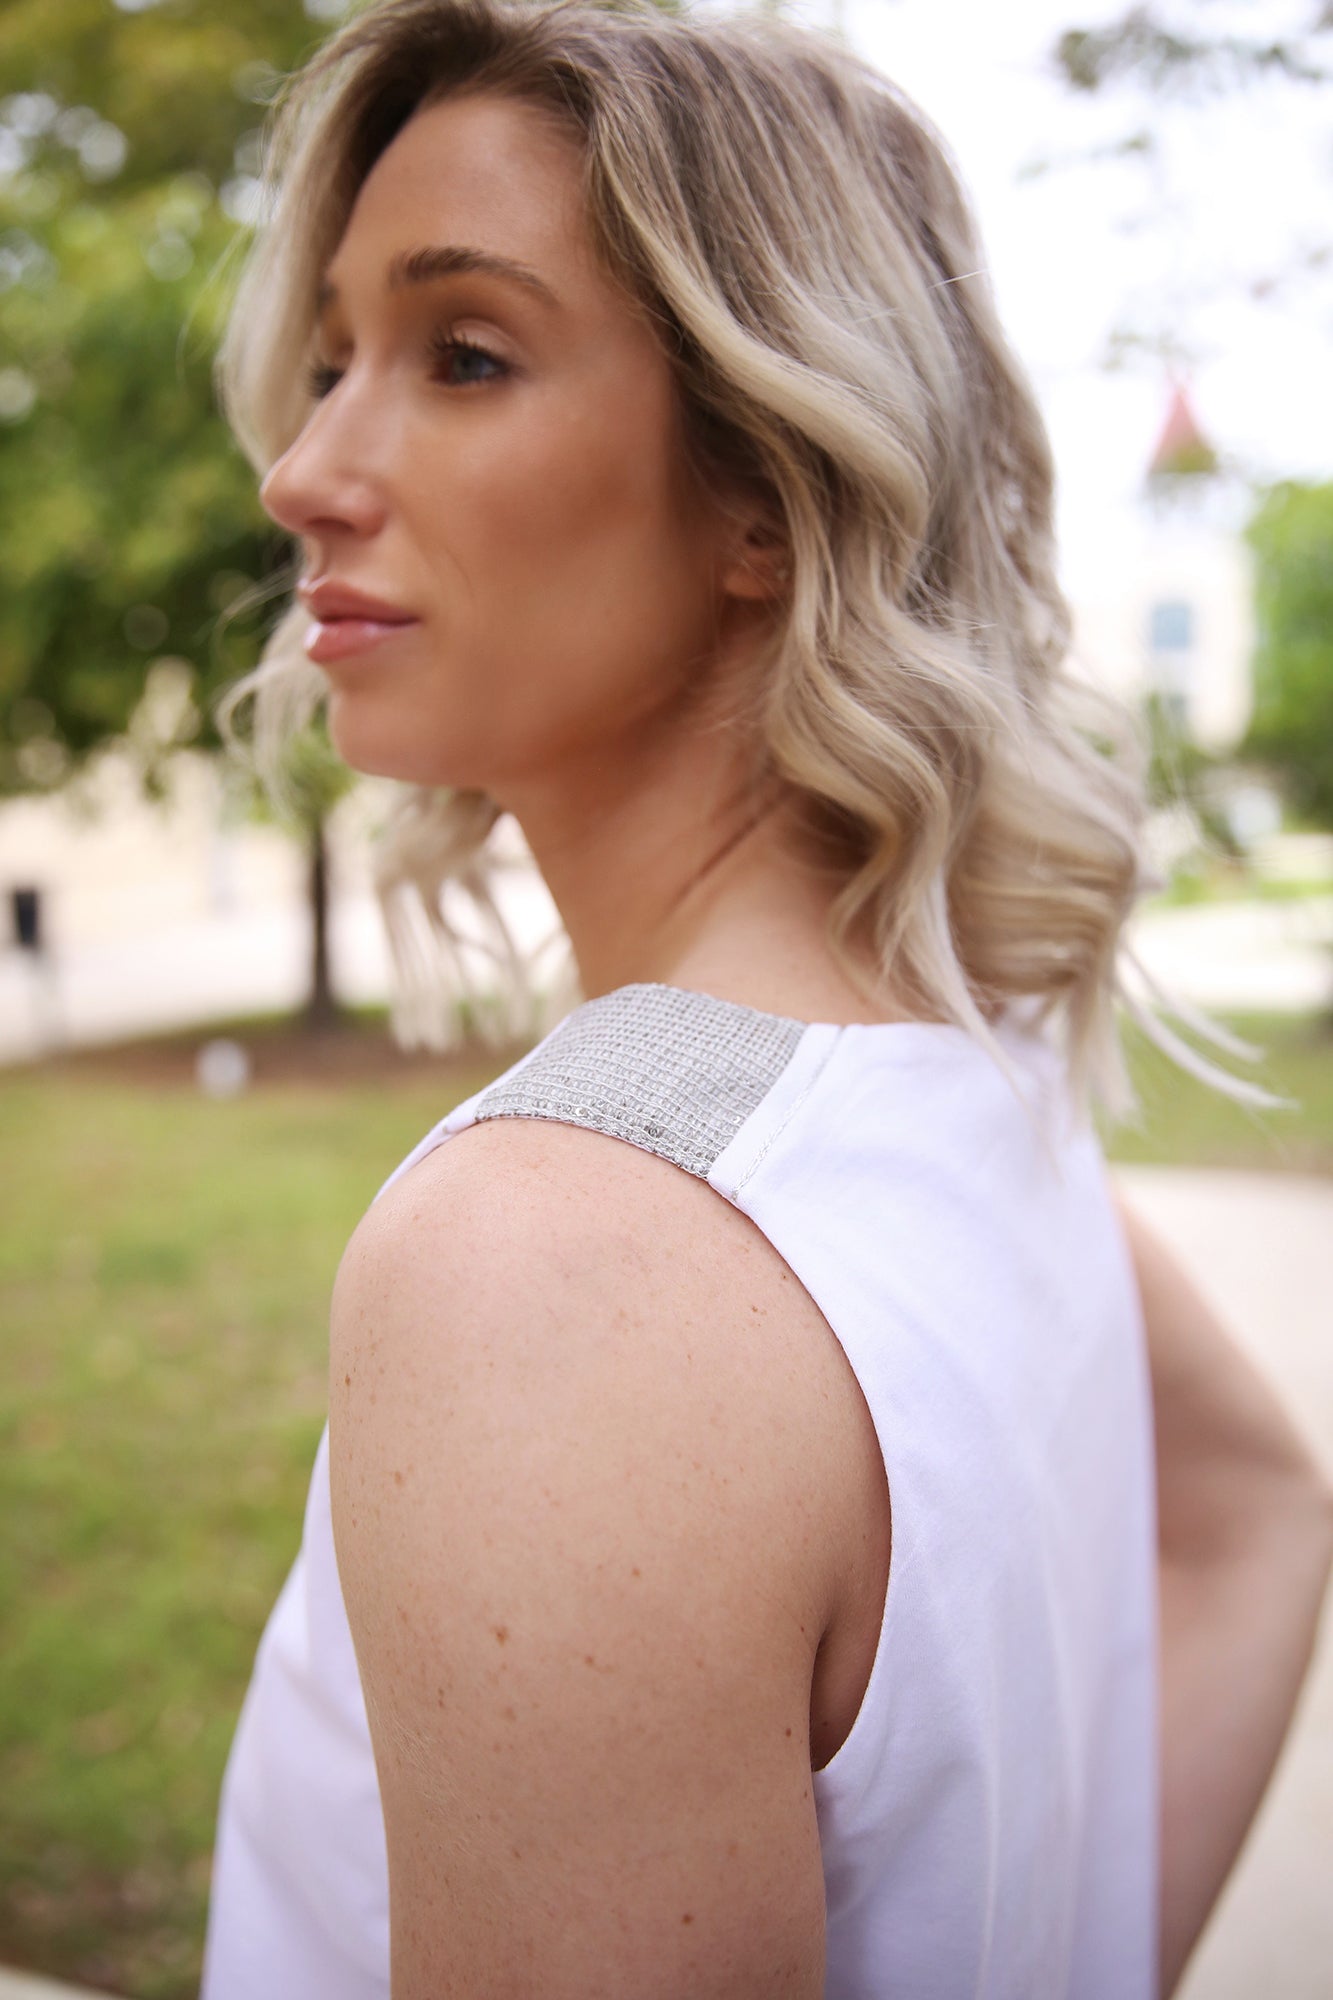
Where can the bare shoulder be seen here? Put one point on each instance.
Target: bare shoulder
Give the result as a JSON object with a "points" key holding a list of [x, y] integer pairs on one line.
{"points": [[584, 1565], [550, 1260]]}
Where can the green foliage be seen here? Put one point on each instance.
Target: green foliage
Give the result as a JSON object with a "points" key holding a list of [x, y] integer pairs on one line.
{"points": [[1193, 459], [313, 779], [1182, 772], [180, 79], [131, 517], [1143, 45], [1176, 760], [128, 146], [1291, 730]]}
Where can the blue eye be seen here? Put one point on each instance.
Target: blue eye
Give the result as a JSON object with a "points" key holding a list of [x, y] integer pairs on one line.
{"points": [[446, 352], [447, 348]]}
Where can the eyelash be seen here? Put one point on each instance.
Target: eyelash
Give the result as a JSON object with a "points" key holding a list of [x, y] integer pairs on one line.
{"points": [[320, 378]]}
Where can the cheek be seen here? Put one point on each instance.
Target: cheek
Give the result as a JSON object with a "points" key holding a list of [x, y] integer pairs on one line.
{"points": [[574, 562]]}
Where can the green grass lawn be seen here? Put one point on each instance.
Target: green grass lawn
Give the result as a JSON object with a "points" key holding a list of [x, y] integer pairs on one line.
{"points": [[1185, 1123], [165, 1268]]}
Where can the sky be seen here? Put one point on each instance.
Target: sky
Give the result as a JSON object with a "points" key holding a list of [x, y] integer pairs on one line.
{"points": [[1238, 190]]}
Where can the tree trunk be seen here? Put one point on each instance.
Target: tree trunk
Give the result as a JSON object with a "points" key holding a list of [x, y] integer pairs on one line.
{"points": [[321, 1008]]}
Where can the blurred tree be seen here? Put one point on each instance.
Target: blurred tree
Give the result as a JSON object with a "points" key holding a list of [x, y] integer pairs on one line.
{"points": [[1145, 43], [314, 778], [1176, 64], [129, 140], [1291, 730]]}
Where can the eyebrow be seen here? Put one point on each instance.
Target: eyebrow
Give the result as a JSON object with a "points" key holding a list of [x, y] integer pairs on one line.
{"points": [[446, 260]]}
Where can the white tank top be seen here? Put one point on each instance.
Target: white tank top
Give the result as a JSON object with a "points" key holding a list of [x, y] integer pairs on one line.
{"points": [[989, 1828]]}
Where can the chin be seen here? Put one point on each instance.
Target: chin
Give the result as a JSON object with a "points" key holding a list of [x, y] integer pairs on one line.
{"points": [[384, 746]]}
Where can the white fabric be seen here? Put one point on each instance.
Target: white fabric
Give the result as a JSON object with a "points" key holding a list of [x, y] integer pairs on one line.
{"points": [[989, 1828]]}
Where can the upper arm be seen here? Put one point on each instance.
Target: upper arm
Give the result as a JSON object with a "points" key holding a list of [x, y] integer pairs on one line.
{"points": [[582, 1626], [1225, 1444]]}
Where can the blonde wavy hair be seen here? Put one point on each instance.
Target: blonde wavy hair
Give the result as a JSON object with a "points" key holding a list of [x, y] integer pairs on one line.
{"points": [[795, 226]]}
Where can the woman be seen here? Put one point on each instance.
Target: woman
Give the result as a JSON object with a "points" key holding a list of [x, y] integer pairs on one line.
{"points": [[753, 1595]]}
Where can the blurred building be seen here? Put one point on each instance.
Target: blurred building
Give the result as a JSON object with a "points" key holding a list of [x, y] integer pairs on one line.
{"points": [[1174, 616]]}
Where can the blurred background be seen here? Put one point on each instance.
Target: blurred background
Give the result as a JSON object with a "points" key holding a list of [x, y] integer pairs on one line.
{"points": [[198, 1090]]}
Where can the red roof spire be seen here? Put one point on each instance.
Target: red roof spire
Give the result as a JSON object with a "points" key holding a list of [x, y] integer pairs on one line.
{"points": [[1182, 449]]}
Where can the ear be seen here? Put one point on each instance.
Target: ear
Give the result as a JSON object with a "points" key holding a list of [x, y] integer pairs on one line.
{"points": [[758, 562]]}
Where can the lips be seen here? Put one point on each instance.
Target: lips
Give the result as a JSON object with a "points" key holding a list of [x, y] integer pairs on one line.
{"points": [[348, 621], [329, 600]]}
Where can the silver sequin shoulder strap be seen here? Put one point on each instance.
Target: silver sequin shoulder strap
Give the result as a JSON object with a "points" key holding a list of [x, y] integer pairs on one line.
{"points": [[673, 1071]]}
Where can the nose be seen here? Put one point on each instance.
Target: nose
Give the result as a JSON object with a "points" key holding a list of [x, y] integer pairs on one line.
{"points": [[322, 482]]}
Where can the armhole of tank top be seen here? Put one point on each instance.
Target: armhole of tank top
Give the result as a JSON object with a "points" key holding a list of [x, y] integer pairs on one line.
{"points": [[735, 1175], [453, 1121]]}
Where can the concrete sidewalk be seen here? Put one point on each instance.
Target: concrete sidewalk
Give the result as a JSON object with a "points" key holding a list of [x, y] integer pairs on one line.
{"points": [[27, 1986], [1258, 1246]]}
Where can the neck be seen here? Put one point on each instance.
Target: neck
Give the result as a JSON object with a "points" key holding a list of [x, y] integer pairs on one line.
{"points": [[675, 868]]}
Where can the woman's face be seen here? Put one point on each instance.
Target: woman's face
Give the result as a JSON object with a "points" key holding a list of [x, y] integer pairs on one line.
{"points": [[497, 456]]}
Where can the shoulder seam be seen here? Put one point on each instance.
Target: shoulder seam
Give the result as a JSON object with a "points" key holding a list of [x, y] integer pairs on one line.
{"points": [[790, 1113]]}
